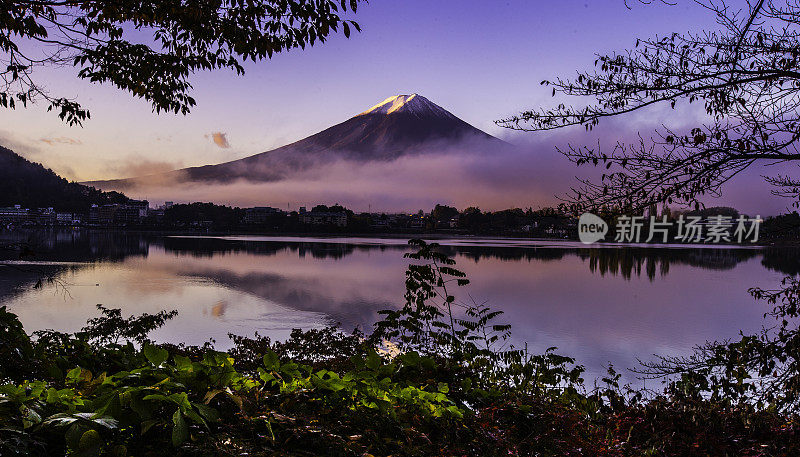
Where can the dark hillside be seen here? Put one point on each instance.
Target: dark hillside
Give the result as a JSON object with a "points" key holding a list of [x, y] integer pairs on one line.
{"points": [[31, 185]]}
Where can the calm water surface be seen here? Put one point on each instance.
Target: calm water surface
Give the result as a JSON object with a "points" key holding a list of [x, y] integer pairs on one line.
{"points": [[599, 305]]}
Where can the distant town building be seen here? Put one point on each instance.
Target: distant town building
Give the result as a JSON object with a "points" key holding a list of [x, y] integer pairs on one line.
{"points": [[94, 215], [259, 214], [67, 219], [123, 214], [338, 219], [156, 214], [43, 216], [14, 214]]}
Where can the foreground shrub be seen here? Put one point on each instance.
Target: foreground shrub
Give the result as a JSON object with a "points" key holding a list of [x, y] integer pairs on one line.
{"points": [[435, 378]]}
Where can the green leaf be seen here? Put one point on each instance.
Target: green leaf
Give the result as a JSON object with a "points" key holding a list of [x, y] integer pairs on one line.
{"points": [[155, 355], [30, 417], [192, 414], [211, 394], [271, 361], [158, 397], [146, 425], [182, 363], [89, 442], [74, 374], [119, 451], [373, 360], [180, 430], [210, 414], [73, 435]]}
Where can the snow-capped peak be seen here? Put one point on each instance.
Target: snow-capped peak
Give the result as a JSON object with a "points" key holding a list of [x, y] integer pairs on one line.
{"points": [[414, 104]]}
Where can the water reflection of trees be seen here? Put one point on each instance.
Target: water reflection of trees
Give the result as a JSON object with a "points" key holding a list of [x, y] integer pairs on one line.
{"points": [[476, 253], [72, 245], [640, 261], [651, 262], [91, 246], [623, 261], [47, 255], [208, 247], [16, 279], [783, 260]]}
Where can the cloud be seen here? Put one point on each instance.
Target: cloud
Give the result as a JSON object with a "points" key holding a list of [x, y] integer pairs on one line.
{"points": [[142, 169], [66, 171], [61, 140], [458, 175], [529, 174], [22, 147], [220, 139]]}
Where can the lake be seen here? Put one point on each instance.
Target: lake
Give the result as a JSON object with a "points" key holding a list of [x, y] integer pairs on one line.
{"points": [[601, 305]]}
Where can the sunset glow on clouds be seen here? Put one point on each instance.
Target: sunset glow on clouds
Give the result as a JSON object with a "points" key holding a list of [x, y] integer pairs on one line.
{"points": [[60, 140], [220, 139]]}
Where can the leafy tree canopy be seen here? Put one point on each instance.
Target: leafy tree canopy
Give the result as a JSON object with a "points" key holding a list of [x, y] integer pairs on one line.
{"points": [[337, 208], [150, 48], [444, 212]]}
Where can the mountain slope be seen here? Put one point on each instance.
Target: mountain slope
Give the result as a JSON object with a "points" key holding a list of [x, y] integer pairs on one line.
{"points": [[31, 185], [398, 126]]}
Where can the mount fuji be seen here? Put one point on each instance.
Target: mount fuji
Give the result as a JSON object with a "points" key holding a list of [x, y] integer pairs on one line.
{"points": [[398, 126]]}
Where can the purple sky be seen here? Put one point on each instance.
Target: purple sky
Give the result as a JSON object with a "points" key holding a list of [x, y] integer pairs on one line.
{"points": [[482, 60]]}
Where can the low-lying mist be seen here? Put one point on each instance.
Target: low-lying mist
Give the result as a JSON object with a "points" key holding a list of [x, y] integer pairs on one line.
{"points": [[494, 176], [491, 175]]}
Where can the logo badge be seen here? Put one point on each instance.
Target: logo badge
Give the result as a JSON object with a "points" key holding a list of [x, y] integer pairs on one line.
{"points": [[591, 228]]}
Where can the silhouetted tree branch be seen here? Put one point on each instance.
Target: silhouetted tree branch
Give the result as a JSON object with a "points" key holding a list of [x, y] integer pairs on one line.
{"points": [[150, 48], [746, 75]]}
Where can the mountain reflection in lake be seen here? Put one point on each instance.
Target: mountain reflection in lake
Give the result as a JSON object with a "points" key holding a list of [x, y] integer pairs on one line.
{"points": [[599, 305]]}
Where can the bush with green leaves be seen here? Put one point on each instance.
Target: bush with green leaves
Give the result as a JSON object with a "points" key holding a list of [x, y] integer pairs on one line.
{"points": [[373, 383], [436, 377]]}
